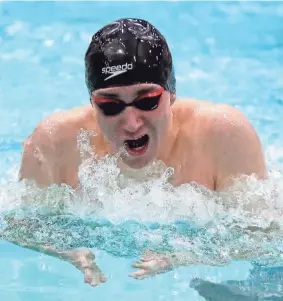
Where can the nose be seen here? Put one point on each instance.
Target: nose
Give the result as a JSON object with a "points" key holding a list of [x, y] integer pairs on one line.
{"points": [[132, 120]]}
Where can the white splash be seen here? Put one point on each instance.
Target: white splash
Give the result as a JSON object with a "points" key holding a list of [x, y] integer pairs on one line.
{"points": [[247, 218]]}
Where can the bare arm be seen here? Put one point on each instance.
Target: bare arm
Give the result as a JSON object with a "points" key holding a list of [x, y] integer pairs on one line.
{"points": [[39, 164], [236, 151], [38, 156], [236, 148]]}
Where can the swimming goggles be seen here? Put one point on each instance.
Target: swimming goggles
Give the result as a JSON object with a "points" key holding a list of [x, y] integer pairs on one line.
{"points": [[111, 107]]}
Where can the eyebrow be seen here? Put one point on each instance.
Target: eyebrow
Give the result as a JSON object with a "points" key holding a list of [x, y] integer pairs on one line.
{"points": [[116, 95]]}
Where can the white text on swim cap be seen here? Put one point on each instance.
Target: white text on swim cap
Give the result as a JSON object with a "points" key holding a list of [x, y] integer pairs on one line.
{"points": [[116, 70]]}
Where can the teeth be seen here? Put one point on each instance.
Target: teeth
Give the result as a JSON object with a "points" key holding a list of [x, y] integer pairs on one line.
{"points": [[138, 137], [137, 143]]}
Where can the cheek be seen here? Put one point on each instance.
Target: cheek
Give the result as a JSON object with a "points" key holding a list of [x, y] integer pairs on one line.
{"points": [[157, 121], [161, 115], [107, 125], [161, 120]]}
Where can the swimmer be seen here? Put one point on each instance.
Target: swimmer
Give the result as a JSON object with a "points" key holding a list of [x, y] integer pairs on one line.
{"points": [[132, 88]]}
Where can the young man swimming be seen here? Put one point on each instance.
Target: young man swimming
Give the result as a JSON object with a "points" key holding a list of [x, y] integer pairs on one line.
{"points": [[131, 83]]}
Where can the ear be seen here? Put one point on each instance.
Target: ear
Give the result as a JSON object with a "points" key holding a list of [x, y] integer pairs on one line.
{"points": [[172, 98], [91, 102]]}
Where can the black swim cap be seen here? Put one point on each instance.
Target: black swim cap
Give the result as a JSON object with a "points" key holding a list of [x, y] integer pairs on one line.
{"points": [[127, 52]]}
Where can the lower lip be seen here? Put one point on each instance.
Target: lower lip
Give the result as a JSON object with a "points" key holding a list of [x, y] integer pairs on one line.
{"points": [[138, 151]]}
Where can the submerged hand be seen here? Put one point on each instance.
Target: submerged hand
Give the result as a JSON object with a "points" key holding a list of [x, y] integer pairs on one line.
{"points": [[84, 261], [152, 264]]}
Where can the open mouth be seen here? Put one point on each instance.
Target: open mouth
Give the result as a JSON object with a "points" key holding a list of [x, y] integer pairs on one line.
{"points": [[137, 146]]}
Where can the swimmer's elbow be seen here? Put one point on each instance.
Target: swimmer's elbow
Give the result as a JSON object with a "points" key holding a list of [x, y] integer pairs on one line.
{"points": [[30, 164], [34, 164]]}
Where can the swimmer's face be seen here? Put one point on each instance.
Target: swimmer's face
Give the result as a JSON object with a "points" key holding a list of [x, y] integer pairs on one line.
{"points": [[134, 118]]}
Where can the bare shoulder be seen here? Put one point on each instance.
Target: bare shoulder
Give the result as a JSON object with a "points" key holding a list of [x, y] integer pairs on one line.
{"points": [[228, 138], [223, 117], [44, 149], [58, 126], [212, 117], [72, 117], [235, 146], [224, 126]]}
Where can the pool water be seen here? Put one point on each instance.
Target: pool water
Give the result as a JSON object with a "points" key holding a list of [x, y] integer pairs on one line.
{"points": [[226, 52]]}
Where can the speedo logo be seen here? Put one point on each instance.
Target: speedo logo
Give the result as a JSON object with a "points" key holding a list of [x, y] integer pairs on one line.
{"points": [[116, 70]]}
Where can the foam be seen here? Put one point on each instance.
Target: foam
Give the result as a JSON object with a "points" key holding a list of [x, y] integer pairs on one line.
{"points": [[124, 216]]}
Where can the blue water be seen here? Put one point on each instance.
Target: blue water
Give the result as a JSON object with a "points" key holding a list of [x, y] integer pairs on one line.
{"points": [[224, 52]]}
